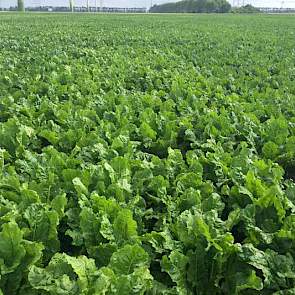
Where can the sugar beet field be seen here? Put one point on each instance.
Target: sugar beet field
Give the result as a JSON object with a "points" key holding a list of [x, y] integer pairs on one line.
{"points": [[147, 154]]}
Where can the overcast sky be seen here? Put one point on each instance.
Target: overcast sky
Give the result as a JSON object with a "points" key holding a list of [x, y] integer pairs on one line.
{"points": [[139, 3], [116, 3]]}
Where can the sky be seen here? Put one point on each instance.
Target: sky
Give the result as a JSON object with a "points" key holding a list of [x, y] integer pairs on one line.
{"points": [[139, 3]]}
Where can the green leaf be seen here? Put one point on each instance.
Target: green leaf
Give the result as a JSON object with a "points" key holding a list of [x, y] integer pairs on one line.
{"points": [[125, 227], [90, 227], [43, 227], [270, 150], [175, 265], [1, 161], [59, 203], [12, 250], [128, 258], [278, 270], [246, 281], [147, 132], [79, 186], [65, 275]]}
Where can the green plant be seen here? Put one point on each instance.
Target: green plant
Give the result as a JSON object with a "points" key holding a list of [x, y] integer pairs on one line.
{"points": [[147, 154]]}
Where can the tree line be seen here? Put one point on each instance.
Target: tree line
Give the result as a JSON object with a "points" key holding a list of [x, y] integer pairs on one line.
{"points": [[193, 6]]}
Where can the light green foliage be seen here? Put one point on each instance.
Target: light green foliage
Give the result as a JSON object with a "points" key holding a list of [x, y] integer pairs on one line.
{"points": [[147, 155]]}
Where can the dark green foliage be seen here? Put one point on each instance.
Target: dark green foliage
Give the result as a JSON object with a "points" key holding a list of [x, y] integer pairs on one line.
{"points": [[193, 6], [246, 9], [20, 5]]}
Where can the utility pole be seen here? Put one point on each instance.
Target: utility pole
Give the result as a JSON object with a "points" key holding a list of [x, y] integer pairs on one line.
{"points": [[95, 5], [87, 5], [72, 5], [100, 8]]}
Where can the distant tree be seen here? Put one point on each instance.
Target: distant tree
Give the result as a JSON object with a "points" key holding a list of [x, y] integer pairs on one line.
{"points": [[20, 5], [223, 6], [246, 9], [193, 6], [211, 6]]}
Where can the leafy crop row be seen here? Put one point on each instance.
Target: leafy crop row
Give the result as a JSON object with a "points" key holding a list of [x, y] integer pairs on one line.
{"points": [[147, 155]]}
